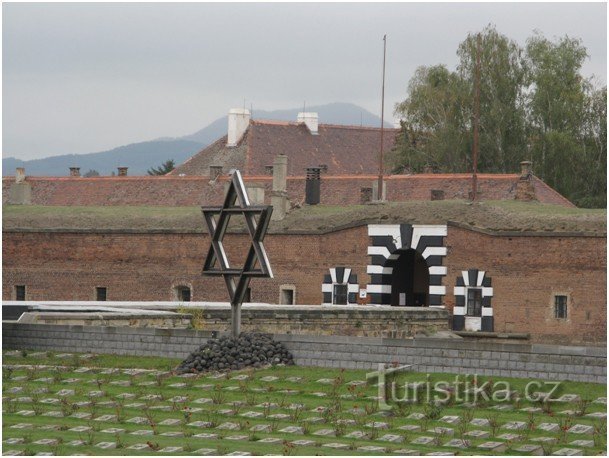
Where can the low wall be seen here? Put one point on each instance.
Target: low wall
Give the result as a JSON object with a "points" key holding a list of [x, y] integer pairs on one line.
{"points": [[545, 362]]}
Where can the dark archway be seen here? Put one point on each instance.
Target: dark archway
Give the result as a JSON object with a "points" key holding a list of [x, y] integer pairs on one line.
{"points": [[410, 279]]}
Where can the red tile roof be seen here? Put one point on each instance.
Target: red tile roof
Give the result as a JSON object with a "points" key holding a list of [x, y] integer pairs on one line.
{"points": [[346, 150]]}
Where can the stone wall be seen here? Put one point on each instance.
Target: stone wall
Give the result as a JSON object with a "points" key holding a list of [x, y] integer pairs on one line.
{"points": [[200, 190], [546, 362]]}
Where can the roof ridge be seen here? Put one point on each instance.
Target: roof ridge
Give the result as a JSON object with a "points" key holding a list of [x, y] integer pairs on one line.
{"points": [[275, 122]]}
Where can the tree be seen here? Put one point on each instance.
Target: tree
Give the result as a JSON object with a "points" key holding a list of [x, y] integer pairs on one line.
{"points": [[91, 173], [534, 104], [434, 122], [502, 102], [163, 169]]}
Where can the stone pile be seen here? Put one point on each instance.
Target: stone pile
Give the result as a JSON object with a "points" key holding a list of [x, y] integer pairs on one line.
{"points": [[227, 353]]}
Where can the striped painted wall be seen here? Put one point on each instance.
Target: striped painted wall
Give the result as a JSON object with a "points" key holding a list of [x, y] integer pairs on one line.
{"points": [[340, 276], [387, 239], [473, 278]]}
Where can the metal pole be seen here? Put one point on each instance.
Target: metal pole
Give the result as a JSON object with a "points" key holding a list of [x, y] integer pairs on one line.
{"points": [[476, 122], [380, 183], [235, 319]]}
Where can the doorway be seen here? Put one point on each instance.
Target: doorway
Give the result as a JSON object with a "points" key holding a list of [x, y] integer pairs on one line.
{"points": [[410, 279]]}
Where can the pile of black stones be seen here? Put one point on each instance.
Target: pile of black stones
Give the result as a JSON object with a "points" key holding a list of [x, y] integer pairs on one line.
{"points": [[228, 353]]}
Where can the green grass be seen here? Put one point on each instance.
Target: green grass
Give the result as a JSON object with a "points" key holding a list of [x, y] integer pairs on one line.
{"points": [[251, 392]]}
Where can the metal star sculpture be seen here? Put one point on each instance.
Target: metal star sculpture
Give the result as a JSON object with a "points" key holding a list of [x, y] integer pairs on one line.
{"points": [[257, 218]]}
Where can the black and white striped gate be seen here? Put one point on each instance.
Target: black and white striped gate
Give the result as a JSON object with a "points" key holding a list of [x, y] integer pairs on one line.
{"points": [[387, 239], [340, 277], [473, 279]]}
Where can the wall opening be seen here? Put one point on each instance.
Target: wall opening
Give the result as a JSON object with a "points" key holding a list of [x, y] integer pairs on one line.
{"points": [[101, 293], [183, 293], [19, 292], [341, 294], [287, 295], [410, 279]]}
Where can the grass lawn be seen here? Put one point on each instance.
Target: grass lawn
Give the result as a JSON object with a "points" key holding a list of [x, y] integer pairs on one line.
{"points": [[78, 402]]}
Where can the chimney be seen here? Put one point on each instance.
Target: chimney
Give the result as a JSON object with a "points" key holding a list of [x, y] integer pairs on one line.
{"points": [[526, 169], [20, 175], [312, 185], [279, 195], [74, 171], [122, 171], [311, 120], [238, 121], [525, 189]]}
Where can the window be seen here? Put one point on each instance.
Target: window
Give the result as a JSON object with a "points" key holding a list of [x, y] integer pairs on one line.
{"points": [[101, 293], [560, 307], [183, 293], [474, 302], [287, 295], [20, 292], [340, 294]]}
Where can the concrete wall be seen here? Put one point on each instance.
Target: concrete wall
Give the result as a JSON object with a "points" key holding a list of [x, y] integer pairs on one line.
{"points": [[547, 362]]}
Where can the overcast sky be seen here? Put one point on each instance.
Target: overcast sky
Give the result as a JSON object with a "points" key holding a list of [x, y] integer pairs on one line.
{"points": [[81, 78]]}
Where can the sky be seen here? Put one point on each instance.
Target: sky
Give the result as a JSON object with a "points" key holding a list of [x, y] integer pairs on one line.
{"points": [[86, 77]]}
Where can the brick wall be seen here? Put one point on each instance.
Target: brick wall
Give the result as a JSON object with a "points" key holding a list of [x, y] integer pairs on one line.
{"points": [[526, 271], [198, 190], [545, 362]]}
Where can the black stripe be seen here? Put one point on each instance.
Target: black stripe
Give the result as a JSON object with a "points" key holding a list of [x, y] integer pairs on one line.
{"points": [[340, 273], [486, 301], [377, 260], [327, 279], [486, 281], [435, 260], [460, 281], [435, 299], [473, 277], [352, 298], [458, 322], [327, 298], [384, 241], [487, 323], [406, 234], [352, 278], [429, 241], [460, 301], [435, 280]]}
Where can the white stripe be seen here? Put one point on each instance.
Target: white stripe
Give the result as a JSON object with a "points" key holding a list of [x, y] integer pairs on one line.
{"points": [[378, 250], [437, 306], [392, 230], [465, 276], [480, 277], [346, 276], [435, 289], [434, 251], [326, 287], [420, 230], [459, 291], [459, 311], [242, 186], [379, 270], [333, 274], [438, 270], [379, 289], [487, 292], [487, 311], [353, 288]]}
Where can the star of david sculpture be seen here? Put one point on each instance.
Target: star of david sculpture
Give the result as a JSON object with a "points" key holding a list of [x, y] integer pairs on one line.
{"points": [[257, 218]]}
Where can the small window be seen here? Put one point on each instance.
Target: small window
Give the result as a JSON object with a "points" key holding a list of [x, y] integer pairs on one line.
{"points": [[560, 307], [474, 302], [20, 292], [101, 293], [183, 293], [286, 296], [340, 294]]}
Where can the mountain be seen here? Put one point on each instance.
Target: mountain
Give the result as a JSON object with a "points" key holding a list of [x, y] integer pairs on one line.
{"points": [[139, 157], [332, 113]]}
